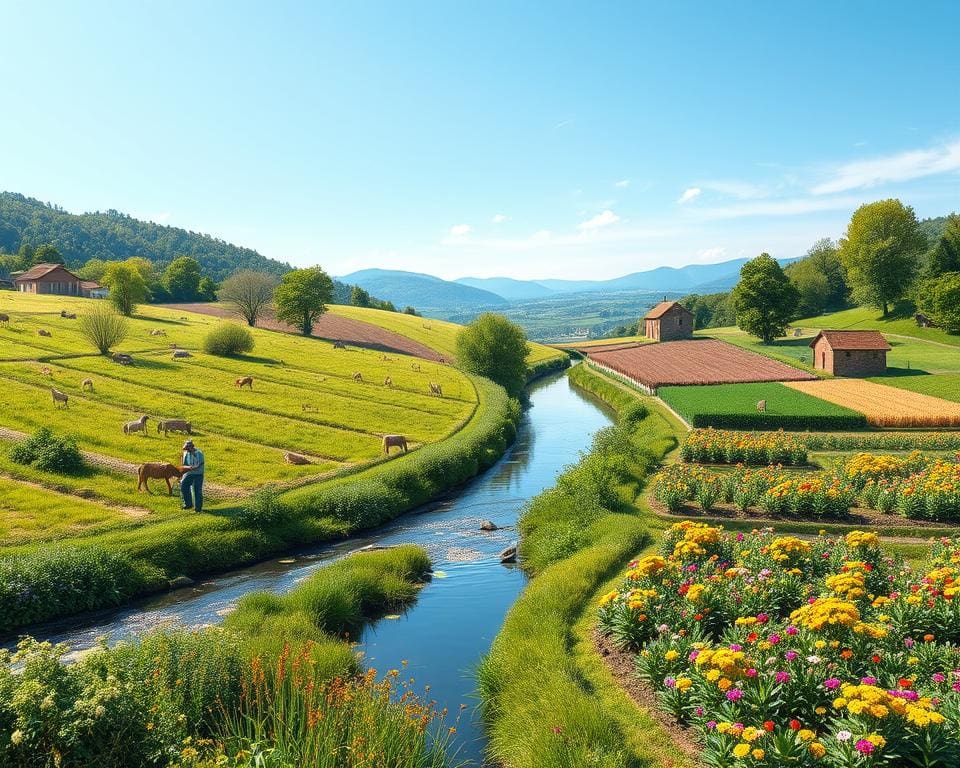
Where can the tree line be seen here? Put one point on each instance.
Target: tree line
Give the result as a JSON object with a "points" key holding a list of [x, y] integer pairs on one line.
{"points": [[885, 257]]}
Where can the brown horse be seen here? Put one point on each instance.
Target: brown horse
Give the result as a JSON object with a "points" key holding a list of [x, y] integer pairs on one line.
{"points": [[245, 381], [156, 470], [394, 441]]}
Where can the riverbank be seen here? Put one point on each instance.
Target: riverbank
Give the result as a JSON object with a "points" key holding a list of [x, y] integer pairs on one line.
{"points": [[42, 582], [546, 697]]}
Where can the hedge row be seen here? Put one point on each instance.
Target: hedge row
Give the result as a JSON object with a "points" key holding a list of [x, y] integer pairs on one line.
{"points": [[795, 423], [548, 366], [83, 577]]}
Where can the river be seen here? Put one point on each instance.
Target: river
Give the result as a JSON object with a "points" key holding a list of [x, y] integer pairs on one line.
{"points": [[443, 635]]}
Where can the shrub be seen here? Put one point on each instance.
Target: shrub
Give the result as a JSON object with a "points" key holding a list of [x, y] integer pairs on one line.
{"points": [[226, 339], [264, 509], [48, 452], [103, 328]]}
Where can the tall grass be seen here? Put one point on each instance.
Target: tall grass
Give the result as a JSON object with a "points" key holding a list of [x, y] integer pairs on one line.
{"points": [[539, 709]]}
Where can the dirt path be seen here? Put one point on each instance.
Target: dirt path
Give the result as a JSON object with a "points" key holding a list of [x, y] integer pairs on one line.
{"points": [[332, 328]]}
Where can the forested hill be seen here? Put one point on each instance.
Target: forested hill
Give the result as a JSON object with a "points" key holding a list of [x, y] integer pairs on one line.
{"points": [[112, 235]]}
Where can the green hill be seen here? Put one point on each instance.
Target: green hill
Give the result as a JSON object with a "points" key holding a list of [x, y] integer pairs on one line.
{"points": [[111, 235]]}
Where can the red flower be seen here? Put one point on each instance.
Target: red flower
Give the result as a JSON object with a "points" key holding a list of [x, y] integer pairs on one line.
{"points": [[905, 682], [795, 725], [768, 725], [875, 659], [752, 637]]}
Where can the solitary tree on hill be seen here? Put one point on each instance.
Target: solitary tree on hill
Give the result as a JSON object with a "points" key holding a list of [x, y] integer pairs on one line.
{"points": [[127, 287], [881, 252], [103, 328], [182, 279], [302, 297], [494, 347], [249, 293], [764, 300]]}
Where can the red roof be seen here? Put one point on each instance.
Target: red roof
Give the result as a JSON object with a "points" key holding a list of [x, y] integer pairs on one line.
{"points": [[89, 285], [845, 340], [663, 307], [42, 270]]}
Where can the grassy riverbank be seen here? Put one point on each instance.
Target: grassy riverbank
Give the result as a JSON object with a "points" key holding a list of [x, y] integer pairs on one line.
{"points": [[279, 685], [546, 698]]}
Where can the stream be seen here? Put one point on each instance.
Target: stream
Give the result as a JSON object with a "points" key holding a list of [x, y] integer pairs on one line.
{"points": [[456, 616]]}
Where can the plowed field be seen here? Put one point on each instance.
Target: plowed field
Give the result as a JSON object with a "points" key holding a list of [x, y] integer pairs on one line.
{"points": [[884, 406], [696, 361]]}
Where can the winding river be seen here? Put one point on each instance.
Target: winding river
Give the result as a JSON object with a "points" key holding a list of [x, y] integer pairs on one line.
{"points": [[456, 616]]}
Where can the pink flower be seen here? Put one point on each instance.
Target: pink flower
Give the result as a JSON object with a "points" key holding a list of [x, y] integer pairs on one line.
{"points": [[736, 647], [831, 683], [938, 677], [762, 618], [773, 639], [868, 680], [865, 747], [734, 694], [740, 537], [782, 677], [790, 655], [751, 672], [792, 630]]}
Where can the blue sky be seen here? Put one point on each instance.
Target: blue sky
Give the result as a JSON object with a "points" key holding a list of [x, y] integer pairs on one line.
{"points": [[524, 139]]}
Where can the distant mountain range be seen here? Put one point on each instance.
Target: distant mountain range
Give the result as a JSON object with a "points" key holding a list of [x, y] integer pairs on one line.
{"points": [[471, 294]]}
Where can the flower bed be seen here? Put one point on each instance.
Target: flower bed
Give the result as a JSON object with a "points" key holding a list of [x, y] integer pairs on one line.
{"points": [[781, 651], [914, 486], [718, 446]]}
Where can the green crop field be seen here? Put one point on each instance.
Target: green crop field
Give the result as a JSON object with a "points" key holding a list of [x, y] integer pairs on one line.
{"points": [[946, 386], [436, 334], [304, 400], [735, 405]]}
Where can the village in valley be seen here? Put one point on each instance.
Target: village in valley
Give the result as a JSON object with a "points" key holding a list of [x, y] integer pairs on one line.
{"points": [[480, 387]]}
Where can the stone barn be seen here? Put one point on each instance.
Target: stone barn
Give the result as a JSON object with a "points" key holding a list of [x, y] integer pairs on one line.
{"points": [[668, 321], [850, 353]]}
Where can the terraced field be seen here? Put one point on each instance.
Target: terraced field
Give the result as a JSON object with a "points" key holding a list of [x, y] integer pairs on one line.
{"points": [[304, 399]]}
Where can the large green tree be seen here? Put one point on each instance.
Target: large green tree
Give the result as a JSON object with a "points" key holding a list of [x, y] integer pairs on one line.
{"points": [[127, 287], [764, 300], [881, 253], [302, 297], [47, 254], [820, 278], [494, 347], [939, 299], [359, 297], [182, 279]]}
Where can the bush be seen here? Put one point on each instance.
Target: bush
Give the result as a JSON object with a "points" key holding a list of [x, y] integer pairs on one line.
{"points": [[227, 339], [48, 452], [264, 509], [103, 328]]}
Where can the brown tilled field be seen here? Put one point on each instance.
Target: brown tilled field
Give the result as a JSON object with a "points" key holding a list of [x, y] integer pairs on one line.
{"points": [[333, 328], [696, 361]]}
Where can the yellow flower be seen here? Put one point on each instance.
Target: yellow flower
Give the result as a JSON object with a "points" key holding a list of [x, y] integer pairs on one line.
{"points": [[817, 749], [758, 754], [806, 734], [671, 655], [741, 750], [877, 740], [683, 683]]}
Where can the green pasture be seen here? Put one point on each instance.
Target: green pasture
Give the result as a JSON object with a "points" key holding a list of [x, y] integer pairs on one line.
{"points": [[741, 400], [945, 385]]}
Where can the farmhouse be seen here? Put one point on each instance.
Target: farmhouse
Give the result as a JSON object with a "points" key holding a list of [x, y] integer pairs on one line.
{"points": [[48, 278], [850, 353], [668, 321]]}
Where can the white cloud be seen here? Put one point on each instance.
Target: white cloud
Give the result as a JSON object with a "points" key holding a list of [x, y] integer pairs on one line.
{"points": [[913, 164], [460, 230], [691, 193], [499, 218], [603, 219], [622, 184], [717, 253], [791, 207]]}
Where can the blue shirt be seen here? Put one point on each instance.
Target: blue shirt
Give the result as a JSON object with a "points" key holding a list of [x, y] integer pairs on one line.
{"points": [[194, 461]]}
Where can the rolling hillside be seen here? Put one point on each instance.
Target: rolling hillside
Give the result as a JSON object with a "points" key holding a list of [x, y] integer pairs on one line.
{"points": [[424, 292]]}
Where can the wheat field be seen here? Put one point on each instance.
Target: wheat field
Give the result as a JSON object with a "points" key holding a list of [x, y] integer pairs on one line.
{"points": [[884, 406]]}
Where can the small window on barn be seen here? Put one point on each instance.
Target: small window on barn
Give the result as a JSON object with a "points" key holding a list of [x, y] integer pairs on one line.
{"points": [[846, 354], [680, 320]]}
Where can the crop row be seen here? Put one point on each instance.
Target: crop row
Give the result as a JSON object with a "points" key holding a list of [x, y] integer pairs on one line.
{"points": [[722, 447]]}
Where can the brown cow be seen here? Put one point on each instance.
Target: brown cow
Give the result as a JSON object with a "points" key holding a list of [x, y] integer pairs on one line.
{"points": [[4, 319], [43, 332], [295, 458], [86, 384], [59, 397], [394, 441], [245, 381], [156, 470]]}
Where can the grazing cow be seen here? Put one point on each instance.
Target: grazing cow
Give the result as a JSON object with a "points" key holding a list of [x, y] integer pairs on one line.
{"points": [[86, 384], [436, 389], [59, 397], [4, 319], [174, 425], [245, 381], [394, 441], [339, 345], [156, 470], [295, 458], [358, 377], [122, 358], [140, 425], [43, 332], [68, 315], [388, 382], [158, 332], [761, 406], [415, 367], [179, 353]]}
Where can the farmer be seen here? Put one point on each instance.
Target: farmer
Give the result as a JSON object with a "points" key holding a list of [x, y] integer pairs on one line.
{"points": [[192, 478]]}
